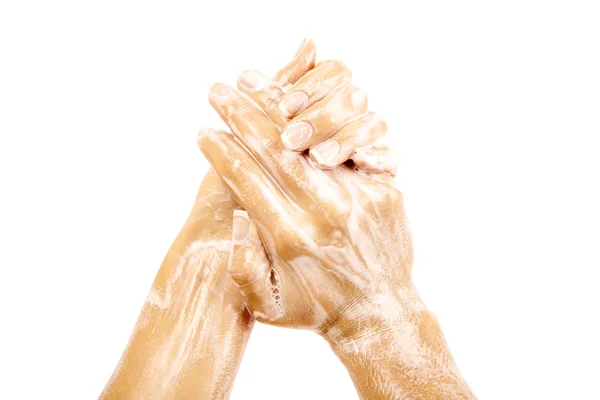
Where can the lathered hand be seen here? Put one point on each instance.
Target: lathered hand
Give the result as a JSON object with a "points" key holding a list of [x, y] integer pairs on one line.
{"points": [[337, 251], [193, 328]]}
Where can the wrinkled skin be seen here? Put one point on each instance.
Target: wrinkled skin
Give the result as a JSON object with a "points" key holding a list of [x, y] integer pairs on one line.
{"points": [[328, 250], [193, 328]]}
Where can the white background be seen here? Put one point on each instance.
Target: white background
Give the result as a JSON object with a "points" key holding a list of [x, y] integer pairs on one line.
{"points": [[493, 106]]}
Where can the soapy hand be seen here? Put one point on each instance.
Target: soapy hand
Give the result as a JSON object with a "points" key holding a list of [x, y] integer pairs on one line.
{"points": [[193, 328], [323, 245], [337, 239]]}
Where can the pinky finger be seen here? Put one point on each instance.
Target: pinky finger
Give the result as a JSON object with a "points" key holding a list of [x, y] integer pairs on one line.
{"points": [[337, 149], [374, 159]]}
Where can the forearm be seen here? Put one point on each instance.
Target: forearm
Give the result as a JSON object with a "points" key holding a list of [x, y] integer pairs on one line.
{"points": [[394, 348], [190, 336]]}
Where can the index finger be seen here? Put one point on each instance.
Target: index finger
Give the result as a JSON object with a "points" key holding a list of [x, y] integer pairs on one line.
{"points": [[247, 182]]}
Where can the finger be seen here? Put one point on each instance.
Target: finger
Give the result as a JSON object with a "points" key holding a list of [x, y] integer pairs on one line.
{"points": [[264, 92], [246, 180], [303, 61], [338, 148], [251, 270], [267, 92], [247, 121], [262, 137], [318, 122], [314, 86], [374, 159]]}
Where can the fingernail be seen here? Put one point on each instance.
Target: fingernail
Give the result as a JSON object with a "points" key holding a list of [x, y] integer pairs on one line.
{"points": [[241, 226], [251, 80], [220, 91], [325, 151], [293, 103], [296, 134]]}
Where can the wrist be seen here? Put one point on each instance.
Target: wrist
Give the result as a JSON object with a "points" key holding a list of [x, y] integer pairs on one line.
{"points": [[370, 320], [393, 347]]}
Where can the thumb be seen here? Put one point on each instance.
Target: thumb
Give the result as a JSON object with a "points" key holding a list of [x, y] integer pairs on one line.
{"points": [[251, 270]]}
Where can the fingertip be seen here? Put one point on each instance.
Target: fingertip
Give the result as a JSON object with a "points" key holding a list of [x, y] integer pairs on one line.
{"points": [[346, 69], [251, 80], [374, 127], [220, 92], [225, 100], [375, 159], [202, 135], [302, 62], [359, 98], [325, 154], [366, 151], [206, 136], [306, 44], [293, 103], [296, 135], [207, 133], [364, 156], [308, 49], [380, 121]]}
